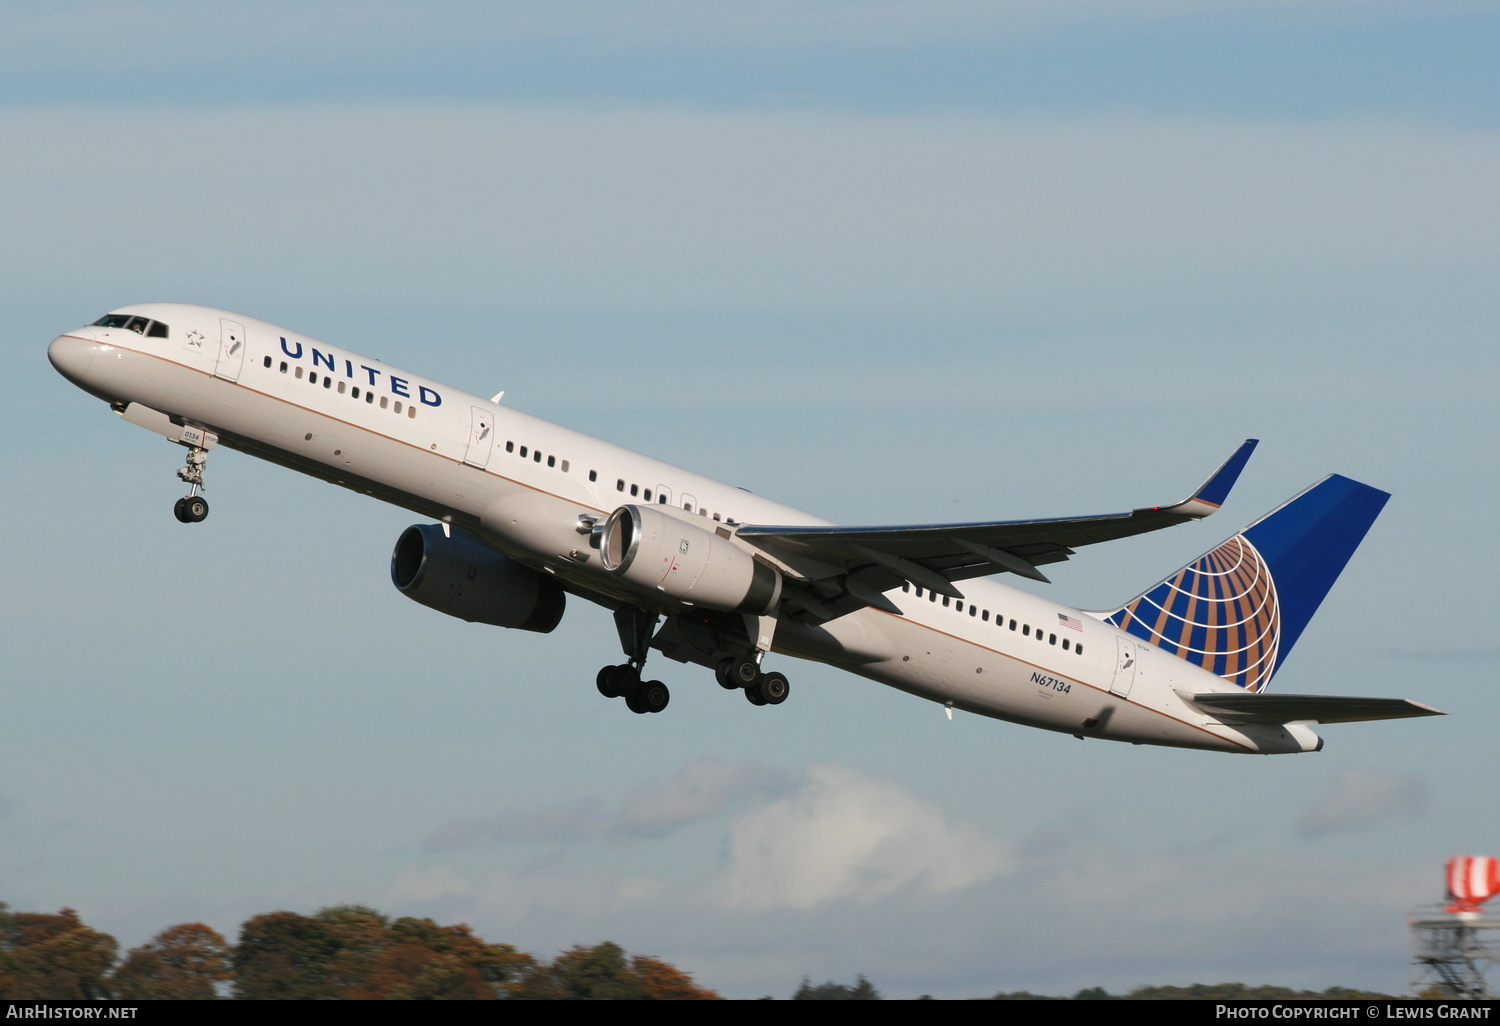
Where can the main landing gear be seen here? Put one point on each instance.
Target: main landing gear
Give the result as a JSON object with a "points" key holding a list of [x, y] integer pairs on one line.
{"points": [[624, 681], [744, 672], [192, 508]]}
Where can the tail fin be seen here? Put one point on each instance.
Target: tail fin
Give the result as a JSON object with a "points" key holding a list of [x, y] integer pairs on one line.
{"points": [[1238, 610]]}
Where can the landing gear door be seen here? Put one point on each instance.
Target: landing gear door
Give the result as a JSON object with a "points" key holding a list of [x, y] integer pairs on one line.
{"points": [[481, 437], [1125, 667], [231, 350]]}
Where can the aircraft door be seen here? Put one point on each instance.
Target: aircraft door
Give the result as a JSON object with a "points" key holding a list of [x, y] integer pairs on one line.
{"points": [[231, 350], [1125, 667], [481, 437]]}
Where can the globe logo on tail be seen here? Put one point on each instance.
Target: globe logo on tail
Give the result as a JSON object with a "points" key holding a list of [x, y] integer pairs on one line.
{"points": [[1219, 612]]}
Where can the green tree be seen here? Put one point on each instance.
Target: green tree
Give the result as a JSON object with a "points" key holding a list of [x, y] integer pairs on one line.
{"points": [[830, 991], [356, 953], [584, 974], [182, 963], [285, 956], [53, 957]]}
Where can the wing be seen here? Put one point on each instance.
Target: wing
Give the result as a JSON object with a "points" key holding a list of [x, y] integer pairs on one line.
{"points": [[869, 560], [1260, 708]]}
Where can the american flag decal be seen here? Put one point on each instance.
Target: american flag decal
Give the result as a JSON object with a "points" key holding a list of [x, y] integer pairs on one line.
{"points": [[1063, 620]]}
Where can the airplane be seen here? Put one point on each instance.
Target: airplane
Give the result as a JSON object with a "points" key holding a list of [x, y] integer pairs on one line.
{"points": [[527, 513]]}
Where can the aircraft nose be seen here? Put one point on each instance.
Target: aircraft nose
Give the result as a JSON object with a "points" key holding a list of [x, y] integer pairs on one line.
{"points": [[72, 356]]}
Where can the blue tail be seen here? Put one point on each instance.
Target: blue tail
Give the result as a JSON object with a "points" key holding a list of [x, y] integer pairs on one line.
{"points": [[1238, 610]]}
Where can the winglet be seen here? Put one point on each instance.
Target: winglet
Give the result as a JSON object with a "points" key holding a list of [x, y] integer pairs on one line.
{"points": [[1212, 493]]}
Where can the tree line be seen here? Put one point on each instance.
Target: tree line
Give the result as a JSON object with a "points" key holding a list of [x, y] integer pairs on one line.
{"points": [[341, 952]]}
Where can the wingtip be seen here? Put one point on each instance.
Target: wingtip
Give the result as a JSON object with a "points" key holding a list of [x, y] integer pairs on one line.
{"points": [[1212, 493], [1216, 489]]}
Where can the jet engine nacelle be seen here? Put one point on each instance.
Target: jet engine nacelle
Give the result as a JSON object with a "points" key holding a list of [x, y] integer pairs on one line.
{"points": [[676, 554], [456, 573]]}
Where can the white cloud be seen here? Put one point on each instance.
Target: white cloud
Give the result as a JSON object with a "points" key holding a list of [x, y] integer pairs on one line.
{"points": [[1360, 799], [700, 790], [848, 836]]}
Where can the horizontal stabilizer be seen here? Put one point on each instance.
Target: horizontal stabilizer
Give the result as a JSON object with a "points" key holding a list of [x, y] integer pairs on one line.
{"points": [[1310, 708]]}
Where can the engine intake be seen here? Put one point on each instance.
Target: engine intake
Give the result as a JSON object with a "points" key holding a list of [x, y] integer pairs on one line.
{"points": [[664, 550], [457, 573]]}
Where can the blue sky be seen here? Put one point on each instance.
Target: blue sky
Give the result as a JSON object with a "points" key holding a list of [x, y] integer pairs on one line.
{"points": [[887, 262]]}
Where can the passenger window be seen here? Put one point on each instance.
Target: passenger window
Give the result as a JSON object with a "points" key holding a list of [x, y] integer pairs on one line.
{"points": [[312, 377], [960, 606], [268, 363], [411, 412], [1026, 630], [536, 456], [1079, 650], [283, 366], [384, 400], [354, 391], [1052, 639], [1065, 644], [634, 491], [564, 466], [510, 446], [341, 388], [523, 452], [620, 485], [327, 381], [397, 406], [646, 495], [593, 475], [369, 397]]}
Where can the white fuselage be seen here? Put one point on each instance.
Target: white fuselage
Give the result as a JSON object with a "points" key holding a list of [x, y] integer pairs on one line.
{"points": [[523, 483]]}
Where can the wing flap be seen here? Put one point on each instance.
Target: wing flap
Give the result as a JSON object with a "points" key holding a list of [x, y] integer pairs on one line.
{"points": [[934, 555]]}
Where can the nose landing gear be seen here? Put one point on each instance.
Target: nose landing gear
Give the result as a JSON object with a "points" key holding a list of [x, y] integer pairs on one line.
{"points": [[192, 508]]}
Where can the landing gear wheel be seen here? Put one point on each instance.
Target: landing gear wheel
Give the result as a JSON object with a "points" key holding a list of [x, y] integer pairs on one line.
{"points": [[774, 687], [722, 674], [653, 695], [614, 681], [755, 694], [744, 672], [635, 700], [190, 509]]}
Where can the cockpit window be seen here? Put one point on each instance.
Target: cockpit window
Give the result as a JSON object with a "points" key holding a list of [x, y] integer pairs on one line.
{"points": [[139, 325]]}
